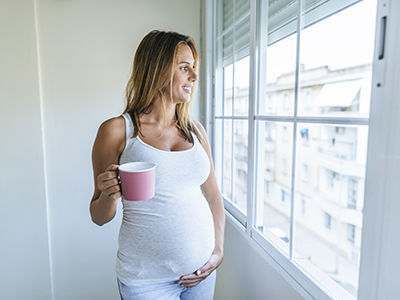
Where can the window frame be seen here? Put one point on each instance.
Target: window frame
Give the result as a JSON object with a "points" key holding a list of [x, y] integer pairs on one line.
{"points": [[305, 284]]}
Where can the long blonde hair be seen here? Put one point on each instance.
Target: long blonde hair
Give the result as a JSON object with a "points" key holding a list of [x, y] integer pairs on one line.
{"points": [[153, 69]]}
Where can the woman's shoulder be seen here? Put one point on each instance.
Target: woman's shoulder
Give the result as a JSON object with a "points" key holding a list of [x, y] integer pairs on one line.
{"points": [[199, 126], [113, 129], [114, 125]]}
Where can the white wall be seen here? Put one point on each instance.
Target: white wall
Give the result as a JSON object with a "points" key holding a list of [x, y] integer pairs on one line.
{"points": [[24, 251], [85, 52]]}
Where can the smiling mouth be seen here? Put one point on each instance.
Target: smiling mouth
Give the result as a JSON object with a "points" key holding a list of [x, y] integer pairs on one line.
{"points": [[187, 89]]}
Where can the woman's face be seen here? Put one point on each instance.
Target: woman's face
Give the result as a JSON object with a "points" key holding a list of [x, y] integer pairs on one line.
{"points": [[184, 76]]}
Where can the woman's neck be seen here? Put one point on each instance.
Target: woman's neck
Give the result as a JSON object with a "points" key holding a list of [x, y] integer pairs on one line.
{"points": [[156, 114]]}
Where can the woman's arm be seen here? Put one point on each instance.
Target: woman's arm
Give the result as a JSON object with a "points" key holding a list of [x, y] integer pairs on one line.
{"points": [[214, 199], [107, 148]]}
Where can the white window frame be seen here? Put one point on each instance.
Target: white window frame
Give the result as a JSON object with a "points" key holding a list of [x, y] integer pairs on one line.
{"points": [[379, 250]]}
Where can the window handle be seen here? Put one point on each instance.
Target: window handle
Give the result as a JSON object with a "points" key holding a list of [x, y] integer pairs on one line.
{"points": [[382, 39]]}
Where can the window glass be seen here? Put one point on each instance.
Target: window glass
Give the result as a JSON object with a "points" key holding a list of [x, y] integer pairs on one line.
{"points": [[274, 161], [336, 160], [227, 158], [232, 175], [280, 72], [225, 107], [240, 138], [232, 100], [336, 63], [352, 196], [241, 87], [334, 81]]}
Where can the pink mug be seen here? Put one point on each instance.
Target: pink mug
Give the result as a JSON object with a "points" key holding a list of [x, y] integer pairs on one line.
{"points": [[137, 180]]}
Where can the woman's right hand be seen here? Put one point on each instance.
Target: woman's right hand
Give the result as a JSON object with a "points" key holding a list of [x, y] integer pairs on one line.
{"points": [[108, 183]]}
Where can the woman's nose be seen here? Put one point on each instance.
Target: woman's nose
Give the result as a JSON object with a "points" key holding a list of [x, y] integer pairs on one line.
{"points": [[193, 76]]}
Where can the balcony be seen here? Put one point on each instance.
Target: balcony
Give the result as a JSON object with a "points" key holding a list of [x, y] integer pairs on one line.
{"points": [[339, 165]]}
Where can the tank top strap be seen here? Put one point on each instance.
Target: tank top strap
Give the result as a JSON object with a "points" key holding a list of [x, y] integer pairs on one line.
{"points": [[128, 126]]}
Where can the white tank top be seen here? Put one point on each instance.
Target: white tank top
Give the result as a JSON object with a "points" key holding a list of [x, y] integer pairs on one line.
{"points": [[172, 234]]}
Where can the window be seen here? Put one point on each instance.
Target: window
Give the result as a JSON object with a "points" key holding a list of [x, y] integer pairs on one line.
{"points": [[304, 136], [307, 95], [284, 165], [285, 135], [351, 233], [286, 101], [340, 130], [271, 102], [328, 220], [303, 206], [307, 89], [266, 187], [352, 200], [332, 178], [283, 196], [304, 173]]}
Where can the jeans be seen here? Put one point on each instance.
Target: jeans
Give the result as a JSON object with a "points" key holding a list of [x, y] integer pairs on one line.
{"points": [[169, 290]]}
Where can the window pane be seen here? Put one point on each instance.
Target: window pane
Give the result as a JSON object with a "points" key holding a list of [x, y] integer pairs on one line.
{"points": [[336, 63], [281, 64], [240, 138], [233, 153], [227, 159], [329, 201], [273, 169], [236, 89], [218, 149], [241, 90], [225, 107]]}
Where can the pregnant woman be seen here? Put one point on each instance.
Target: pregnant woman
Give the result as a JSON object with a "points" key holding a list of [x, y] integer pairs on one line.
{"points": [[170, 245]]}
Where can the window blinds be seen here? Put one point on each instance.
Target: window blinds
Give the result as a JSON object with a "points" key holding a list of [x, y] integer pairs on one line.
{"points": [[234, 32]]}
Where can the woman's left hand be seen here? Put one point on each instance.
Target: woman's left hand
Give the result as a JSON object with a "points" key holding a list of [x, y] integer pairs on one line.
{"points": [[194, 279]]}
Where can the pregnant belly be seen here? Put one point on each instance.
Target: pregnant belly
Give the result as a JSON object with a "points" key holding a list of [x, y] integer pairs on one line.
{"points": [[165, 246]]}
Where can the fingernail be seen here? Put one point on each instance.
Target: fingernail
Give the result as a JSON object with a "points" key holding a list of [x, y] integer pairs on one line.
{"points": [[198, 272]]}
